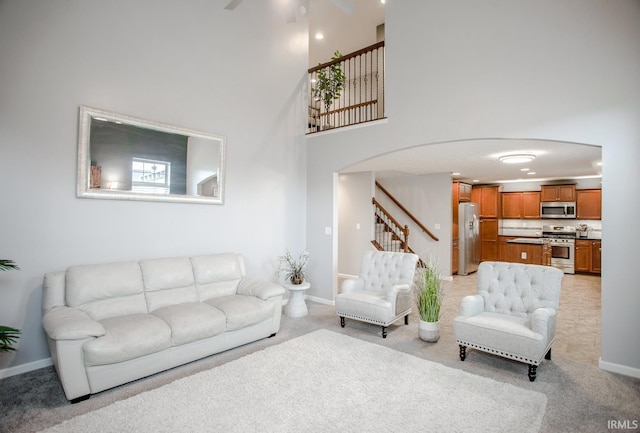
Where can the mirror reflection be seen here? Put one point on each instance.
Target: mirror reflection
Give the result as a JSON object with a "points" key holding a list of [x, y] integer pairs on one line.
{"points": [[123, 157]]}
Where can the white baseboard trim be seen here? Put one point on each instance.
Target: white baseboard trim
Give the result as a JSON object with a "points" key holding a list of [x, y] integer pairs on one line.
{"points": [[24, 368], [618, 368], [319, 300]]}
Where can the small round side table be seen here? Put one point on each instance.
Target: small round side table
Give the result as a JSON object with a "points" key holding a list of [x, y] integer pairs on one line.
{"points": [[296, 307]]}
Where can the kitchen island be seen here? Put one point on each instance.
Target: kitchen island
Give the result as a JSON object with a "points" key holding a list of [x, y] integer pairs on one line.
{"points": [[531, 251]]}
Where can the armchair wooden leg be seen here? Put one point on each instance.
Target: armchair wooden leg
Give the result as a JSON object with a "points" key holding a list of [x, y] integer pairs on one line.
{"points": [[548, 355], [342, 321], [406, 319], [463, 352], [384, 332], [532, 372]]}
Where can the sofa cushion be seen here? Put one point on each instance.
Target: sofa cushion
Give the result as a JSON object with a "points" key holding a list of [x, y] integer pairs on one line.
{"points": [[217, 274], [128, 337], [168, 282], [371, 304], [242, 311], [106, 290], [502, 333], [192, 321]]}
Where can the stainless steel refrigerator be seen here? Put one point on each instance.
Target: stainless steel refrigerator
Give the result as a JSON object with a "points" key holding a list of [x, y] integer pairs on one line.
{"points": [[469, 238]]}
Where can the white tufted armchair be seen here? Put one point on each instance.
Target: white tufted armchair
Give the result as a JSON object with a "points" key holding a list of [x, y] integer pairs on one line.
{"points": [[382, 293], [513, 314]]}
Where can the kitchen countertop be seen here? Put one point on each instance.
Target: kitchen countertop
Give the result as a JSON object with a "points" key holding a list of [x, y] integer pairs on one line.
{"points": [[535, 241]]}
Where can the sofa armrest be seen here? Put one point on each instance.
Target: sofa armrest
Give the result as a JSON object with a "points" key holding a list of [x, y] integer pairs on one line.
{"points": [[66, 323], [259, 288], [399, 295], [543, 322], [471, 305], [352, 284]]}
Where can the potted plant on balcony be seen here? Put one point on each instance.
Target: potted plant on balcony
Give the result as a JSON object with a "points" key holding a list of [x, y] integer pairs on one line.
{"points": [[429, 293], [329, 84], [8, 335]]}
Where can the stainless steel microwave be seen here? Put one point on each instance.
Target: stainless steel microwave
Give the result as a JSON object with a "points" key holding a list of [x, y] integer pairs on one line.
{"points": [[558, 209]]}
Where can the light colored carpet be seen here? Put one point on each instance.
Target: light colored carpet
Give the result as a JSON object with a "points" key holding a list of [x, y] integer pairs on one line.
{"points": [[320, 382]]}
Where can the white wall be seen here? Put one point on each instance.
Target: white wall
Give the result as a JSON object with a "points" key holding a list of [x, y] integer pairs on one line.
{"points": [[190, 63], [549, 69], [355, 220], [428, 198]]}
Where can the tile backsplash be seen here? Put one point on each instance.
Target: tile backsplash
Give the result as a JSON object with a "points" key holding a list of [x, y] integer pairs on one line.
{"points": [[533, 228]]}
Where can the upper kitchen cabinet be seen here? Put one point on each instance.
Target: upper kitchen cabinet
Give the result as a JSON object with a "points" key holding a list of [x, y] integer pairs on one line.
{"points": [[589, 204], [488, 197], [520, 205], [464, 192], [558, 193]]}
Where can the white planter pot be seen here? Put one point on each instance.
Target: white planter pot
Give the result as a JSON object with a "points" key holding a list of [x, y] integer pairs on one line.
{"points": [[429, 331]]}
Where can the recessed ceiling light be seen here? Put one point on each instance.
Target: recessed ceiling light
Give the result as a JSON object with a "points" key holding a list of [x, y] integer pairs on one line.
{"points": [[455, 174], [476, 180], [319, 36], [531, 172], [524, 169], [517, 158]]}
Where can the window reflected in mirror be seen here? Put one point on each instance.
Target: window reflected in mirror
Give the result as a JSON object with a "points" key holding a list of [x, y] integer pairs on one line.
{"points": [[123, 157]]}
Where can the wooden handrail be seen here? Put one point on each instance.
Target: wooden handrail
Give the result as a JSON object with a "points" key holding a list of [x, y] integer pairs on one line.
{"points": [[409, 214], [347, 56], [386, 212], [350, 107]]}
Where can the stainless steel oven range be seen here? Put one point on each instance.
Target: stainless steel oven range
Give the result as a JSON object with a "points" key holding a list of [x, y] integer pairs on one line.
{"points": [[562, 240]]}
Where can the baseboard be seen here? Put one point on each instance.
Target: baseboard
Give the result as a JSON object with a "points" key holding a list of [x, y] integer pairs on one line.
{"points": [[24, 368], [319, 300], [618, 368]]}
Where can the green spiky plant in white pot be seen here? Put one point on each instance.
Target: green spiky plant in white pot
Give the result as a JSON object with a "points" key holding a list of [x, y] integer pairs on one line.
{"points": [[8, 335], [429, 293]]}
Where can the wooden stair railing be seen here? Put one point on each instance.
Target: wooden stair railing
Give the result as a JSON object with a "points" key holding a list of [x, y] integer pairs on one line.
{"points": [[389, 234], [409, 214]]}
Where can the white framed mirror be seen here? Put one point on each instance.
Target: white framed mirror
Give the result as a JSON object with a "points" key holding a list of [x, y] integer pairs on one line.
{"points": [[122, 157]]}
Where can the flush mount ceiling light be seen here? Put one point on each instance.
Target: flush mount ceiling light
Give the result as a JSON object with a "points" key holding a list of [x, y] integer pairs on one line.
{"points": [[517, 158]]}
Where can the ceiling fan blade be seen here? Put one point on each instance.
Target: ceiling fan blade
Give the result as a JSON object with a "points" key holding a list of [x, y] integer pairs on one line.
{"points": [[232, 5], [345, 5]]}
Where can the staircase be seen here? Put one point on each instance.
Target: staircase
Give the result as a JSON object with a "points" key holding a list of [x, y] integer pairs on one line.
{"points": [[390, 235]]}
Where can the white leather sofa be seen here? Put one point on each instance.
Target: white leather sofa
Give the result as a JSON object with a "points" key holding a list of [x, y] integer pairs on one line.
{"points": [[109, 324]]}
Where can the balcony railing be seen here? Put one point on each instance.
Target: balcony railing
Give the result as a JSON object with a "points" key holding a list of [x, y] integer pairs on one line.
{"points": [[361, 99]]}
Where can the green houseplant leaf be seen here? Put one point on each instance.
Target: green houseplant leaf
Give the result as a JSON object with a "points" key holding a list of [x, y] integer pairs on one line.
{"points": [[330, 82], [429, 292], [8, 336]]}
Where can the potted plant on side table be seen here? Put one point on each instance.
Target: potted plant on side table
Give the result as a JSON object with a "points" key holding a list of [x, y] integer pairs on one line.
{"points": [[294, 272], [8, 335], [429, 293]]}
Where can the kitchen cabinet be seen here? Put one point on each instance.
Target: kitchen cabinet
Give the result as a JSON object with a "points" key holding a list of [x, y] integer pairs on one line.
{"points": [[489, 240], [589, 204], [558, 192], [582, 262], [531, 205], [596, 258], [463, 191], [489, 199], [454, 257], [520, 205], [588, 256]]}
